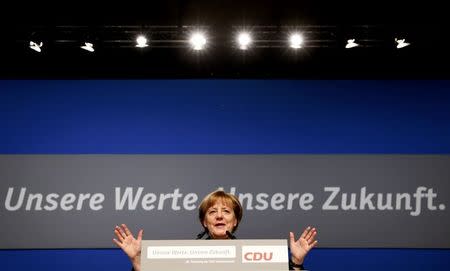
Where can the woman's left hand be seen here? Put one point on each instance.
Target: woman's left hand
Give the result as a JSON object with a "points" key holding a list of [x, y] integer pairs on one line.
{"points": [[301, 247]]}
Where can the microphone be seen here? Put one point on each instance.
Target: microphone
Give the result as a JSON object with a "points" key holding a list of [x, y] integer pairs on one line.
{"points": [[201, 234], [230, 235]]}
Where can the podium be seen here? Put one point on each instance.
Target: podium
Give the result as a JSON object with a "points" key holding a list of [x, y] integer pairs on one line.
{"points": [[215, 255]]}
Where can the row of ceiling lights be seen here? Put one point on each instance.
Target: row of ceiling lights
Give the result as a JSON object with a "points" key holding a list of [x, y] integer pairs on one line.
{"points": [[244, 41]]}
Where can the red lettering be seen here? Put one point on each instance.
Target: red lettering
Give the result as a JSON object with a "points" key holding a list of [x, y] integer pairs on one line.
{"points": [[247, 256], [268, 258], [258, 256]]}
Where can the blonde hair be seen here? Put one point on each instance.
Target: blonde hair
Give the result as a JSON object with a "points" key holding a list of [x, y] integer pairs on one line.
{"points": [[219, 195]]}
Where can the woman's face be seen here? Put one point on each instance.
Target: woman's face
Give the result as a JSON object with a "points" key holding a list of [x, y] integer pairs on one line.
{"points": [[219, 219]]}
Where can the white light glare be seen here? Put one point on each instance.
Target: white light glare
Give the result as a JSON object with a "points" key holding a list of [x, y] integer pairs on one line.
{"points": [[141, 42], [35, 46], [88, 47], [296, 41], [351, 43], [244, 40], [198, 41], [401, 43]]}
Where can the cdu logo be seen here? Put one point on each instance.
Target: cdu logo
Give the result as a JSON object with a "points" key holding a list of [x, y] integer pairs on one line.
{"points": [[258, 256], [264, 254]]}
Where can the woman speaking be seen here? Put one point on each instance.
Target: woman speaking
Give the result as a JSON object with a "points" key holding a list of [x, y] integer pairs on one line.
{"points": [[220, 214]]}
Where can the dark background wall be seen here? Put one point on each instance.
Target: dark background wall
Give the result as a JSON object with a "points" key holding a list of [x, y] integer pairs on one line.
{"points": [[327, 25]]}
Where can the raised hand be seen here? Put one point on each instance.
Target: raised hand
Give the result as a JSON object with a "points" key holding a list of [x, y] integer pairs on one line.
{"points": [[301, 247], [130, 245]]}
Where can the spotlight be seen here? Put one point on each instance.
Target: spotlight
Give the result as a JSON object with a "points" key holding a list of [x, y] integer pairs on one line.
{"points": [[198, 41], [141, 42], [244, 40], [88, 47], [296, 41], [401, 43], [351, 43], [35, 46]]}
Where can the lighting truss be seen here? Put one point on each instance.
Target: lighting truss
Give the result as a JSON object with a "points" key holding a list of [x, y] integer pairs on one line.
{"points": [[173, 36]]}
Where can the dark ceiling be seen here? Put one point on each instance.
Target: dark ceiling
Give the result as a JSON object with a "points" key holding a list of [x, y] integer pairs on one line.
{"points": [[112, 27]]}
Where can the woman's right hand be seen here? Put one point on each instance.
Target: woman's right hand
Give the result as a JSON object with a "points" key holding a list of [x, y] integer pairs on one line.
{"points": [[130, 245]]}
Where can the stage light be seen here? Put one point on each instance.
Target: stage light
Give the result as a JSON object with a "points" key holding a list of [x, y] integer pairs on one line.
{"points": [[296, 41], [244, 40], [351, 43], [141, 42], [401, 43], [35, 46], [198, 41], [88, 47]]}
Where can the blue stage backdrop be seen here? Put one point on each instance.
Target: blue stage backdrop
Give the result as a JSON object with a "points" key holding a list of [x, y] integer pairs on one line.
{"points": [[225, 117]]}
